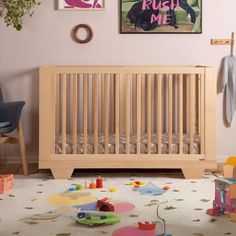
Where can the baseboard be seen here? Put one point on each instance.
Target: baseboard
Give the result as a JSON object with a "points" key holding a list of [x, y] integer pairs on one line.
{"points": [[17, 160]]}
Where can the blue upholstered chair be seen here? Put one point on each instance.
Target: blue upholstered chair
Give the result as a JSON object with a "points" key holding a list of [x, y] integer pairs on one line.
{"points": [[10, 113]]}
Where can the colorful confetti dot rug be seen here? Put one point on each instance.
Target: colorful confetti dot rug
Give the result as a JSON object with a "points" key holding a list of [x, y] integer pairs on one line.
{"points": [[41, 206]]}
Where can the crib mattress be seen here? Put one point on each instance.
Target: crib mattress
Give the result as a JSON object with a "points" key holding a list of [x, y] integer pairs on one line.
{"points": [[122, 148]]}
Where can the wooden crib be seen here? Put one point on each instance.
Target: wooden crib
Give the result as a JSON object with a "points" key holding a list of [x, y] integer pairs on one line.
{"points": [[127, 117]]}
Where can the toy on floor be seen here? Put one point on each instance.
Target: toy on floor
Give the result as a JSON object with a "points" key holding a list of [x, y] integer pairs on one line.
{"points": [[112, 190], [97, 218], [150, 189], [166, 187], [99, 182], [71, 189], [225, 198], [6, 183], [146, 226], [79, 187], [109, 205], [105, 205], [163, 221], [137, 184], [92, 185], [229, 168]]}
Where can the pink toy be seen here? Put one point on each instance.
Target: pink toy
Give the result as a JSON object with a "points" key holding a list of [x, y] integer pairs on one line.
{"points": [[6, 183], [225, 197], [133, 231]]}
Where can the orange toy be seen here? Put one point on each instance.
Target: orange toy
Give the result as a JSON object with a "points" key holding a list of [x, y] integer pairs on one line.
{"points": [[6, 183], [92, 185], [166, 188], [146, 226]]}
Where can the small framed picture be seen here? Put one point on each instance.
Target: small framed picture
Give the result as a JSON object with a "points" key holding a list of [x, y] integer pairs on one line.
{"points": [[161, 16], [81, 4]]}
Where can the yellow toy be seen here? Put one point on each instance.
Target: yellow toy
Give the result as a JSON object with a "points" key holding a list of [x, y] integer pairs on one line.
{"points": [[229, 168], [137, 184], [112, 190]]}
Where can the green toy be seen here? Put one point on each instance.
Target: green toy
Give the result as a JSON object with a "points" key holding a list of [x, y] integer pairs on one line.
{"points": [[94, 218], [79, 187]]}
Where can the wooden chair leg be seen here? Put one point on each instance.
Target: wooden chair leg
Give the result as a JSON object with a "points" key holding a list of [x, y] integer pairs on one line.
{"points": [[1, 153], [22, 148]]}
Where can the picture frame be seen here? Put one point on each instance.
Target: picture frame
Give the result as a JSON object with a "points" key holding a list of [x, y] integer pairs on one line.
{"points": [[81, 5], [160, 16]]}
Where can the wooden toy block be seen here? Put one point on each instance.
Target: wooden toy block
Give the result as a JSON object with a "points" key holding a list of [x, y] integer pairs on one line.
{"points": [[232, 191], [6, 183], [229, 172], [225, 197]]}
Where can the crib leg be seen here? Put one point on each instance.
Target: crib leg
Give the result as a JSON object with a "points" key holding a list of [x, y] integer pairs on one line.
{"points": [[193, 173], [59, 173]]}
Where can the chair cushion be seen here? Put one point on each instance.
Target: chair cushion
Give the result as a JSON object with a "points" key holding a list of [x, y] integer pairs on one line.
{"points": [[6, 127], [5, 124]]}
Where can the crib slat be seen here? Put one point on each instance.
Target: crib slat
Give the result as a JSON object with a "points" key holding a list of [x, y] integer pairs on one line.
{"points": [[58, 104], [105, 112], [159, 112], [170, 111], [143, 104], [202, 114], [134, 103], [127, 126], [54, 104], [102, 103], [187, 104], [180, 114], [85, 94], [149, 113], [95, 112], [199, 103], [138, 93], [112, 104], [75, 112], [191, 111], [117, 120], [63, 115]]}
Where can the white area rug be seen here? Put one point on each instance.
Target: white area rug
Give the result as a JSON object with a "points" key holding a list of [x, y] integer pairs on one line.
{"points": [[190, 198]]}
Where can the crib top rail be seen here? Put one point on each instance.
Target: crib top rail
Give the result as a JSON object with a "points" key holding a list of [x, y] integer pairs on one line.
{"points": [[126, 69]]}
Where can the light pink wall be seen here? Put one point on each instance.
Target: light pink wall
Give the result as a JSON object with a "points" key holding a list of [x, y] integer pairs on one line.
{"points": [[45, 40]]}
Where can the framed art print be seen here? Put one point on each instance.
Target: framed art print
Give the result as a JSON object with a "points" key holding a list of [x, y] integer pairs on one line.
{"points": [[161, 16], [81, 4]]}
